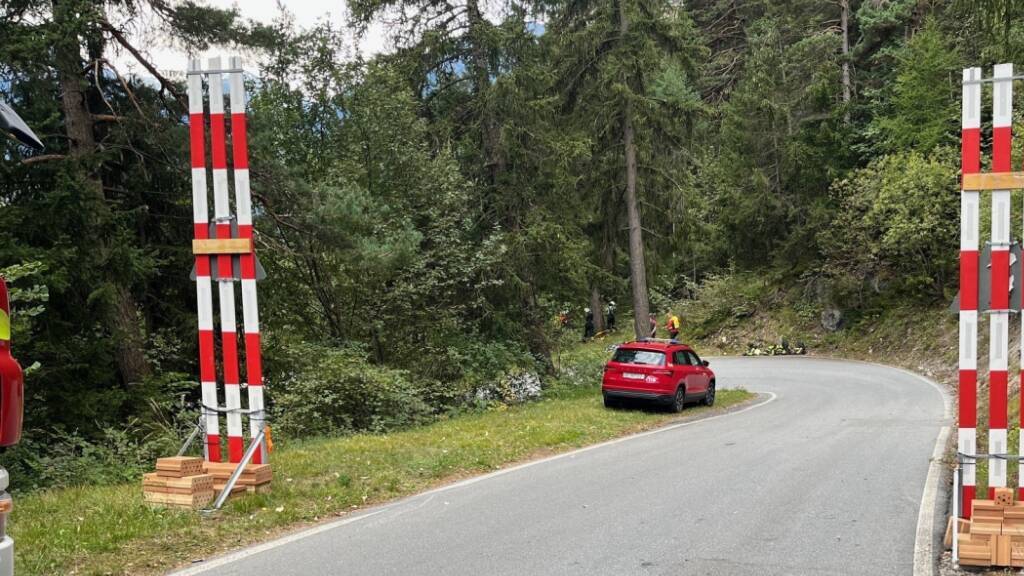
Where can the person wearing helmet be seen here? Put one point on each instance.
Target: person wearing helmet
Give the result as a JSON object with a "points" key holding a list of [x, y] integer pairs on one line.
{"points": [[610, 324], [588, 324], [672, 325]]}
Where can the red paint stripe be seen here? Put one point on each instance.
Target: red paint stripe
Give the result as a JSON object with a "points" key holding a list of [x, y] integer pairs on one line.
{"points": [[253, 359], [217, 144], [196, 137], [1001, 149], [997, 393], [213, 447], [968, 498], [257, 457], [201, 230], [239, 141], [1000, 293], [968, 280], [203, 266], [207, 365], [245, 230], [235, 448], [248, 267], [968, 399], [970, 151], [229, 345]]}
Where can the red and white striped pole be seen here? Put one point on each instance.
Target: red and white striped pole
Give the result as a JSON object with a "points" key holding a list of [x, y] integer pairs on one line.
{"points": [[970, 157], [225, 271], [243, 210], [999, 304], [201, 231]]}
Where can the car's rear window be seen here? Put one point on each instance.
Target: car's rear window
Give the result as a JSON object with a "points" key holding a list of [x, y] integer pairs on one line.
{"points": [[643, 357]]}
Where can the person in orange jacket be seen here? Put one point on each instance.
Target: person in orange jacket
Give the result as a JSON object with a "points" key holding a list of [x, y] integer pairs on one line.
{"points": [[672, 325]]}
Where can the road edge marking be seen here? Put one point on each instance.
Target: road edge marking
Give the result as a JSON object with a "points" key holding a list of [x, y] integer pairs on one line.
{"points": [[205, 566], [925, 559]]}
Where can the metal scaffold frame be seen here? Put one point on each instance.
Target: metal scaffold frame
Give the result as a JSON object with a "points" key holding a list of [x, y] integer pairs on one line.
{"points": [[230, 241]]}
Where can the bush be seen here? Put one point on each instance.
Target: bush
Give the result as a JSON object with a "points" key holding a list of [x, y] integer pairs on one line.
{"points": [[336, 391], [895, 229], [60, 458]]}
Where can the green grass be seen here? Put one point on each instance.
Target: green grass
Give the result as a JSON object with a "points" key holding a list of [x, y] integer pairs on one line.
{"points": [[108, 530]]}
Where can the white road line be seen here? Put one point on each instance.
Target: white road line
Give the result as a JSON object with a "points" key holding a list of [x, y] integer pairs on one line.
{"points": [[206, 566], [924, 556]]}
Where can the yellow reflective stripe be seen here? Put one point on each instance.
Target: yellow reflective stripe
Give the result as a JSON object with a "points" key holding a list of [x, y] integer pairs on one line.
{"points": [[5, 325]]}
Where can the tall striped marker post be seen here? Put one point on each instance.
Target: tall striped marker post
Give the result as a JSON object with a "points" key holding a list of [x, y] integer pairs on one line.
{"points": [[970, 157], [243, 209], [228, 249], [204, 291], [999, 303]]}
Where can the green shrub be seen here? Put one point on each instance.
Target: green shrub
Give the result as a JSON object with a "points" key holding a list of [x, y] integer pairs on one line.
{"points": [[336, 391]]}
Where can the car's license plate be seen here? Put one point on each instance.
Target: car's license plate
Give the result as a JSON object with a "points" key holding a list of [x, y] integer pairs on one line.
{"points": [[632, 376]]}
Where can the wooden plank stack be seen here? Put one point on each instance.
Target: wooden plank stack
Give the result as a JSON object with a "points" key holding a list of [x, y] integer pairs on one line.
{"points": [[995, 534], [254, 479], [178, 481]]}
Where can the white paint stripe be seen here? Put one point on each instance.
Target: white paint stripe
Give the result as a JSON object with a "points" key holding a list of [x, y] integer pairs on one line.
{"points": [[243, 201], [968, 339], [227, 306], [967, 442], [969, 203], [245, 553], [1000, 219], [997, 466], [1002, 96], [200, 210], [255, 403], [204, 300], [236, 86], [233, 401], [216, 87], [971, 114], [999, 334], [221, 203], [195, 88], [250, 310], [210, 399]]}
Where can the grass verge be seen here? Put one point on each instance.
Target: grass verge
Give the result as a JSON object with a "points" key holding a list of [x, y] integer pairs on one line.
{"points": [[108, 530]]}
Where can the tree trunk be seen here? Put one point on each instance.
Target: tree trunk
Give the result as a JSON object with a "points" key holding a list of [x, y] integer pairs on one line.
{"points": [[845, 25], [122, 315], [595, 305], [637, 268]]}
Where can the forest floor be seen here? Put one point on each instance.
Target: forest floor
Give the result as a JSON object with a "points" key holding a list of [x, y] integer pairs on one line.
{"points": [[105, 530]]}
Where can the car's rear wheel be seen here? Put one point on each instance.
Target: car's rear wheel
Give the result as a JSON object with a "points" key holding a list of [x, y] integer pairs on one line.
{"points": [[610, 401], [679, 400], [709, 397]]}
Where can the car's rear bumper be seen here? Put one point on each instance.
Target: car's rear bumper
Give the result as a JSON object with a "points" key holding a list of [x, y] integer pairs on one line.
{"points": [[637, 395]]}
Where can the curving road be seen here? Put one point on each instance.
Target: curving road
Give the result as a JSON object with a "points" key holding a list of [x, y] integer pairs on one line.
{"points": [[825, 478]]}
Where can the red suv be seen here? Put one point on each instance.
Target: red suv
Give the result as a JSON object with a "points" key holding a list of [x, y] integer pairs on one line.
{"points": [[664, 371]]}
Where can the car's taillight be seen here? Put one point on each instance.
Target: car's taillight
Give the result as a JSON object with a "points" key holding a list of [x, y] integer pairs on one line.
{"points": [[656, 376]]}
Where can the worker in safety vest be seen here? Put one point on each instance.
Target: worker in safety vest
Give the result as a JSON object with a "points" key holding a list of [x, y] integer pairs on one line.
{"points": [[672, 325]]}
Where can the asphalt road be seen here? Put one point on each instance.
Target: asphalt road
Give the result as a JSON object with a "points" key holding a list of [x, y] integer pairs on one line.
{"points": [[826, 478]]}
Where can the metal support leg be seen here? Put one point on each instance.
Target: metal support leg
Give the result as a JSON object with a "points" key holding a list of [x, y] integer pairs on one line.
{"points": [[253, 447]]}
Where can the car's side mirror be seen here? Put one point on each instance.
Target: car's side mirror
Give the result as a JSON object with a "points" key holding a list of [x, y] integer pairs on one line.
{"points": [[705, 363]]}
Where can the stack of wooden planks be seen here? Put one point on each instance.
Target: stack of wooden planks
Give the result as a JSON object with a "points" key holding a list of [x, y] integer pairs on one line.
{"points": [[994, 536], [255, 478], [178, 481]]}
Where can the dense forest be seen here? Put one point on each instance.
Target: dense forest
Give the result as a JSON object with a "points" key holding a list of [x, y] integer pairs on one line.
{"points": [[424, 215]]}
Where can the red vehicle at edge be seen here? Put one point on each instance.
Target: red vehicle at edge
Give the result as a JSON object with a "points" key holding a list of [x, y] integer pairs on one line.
{"points": [[663, 371]]}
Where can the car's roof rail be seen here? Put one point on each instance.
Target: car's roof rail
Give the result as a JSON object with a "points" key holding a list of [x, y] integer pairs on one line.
{"points": [[662, 340]]}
